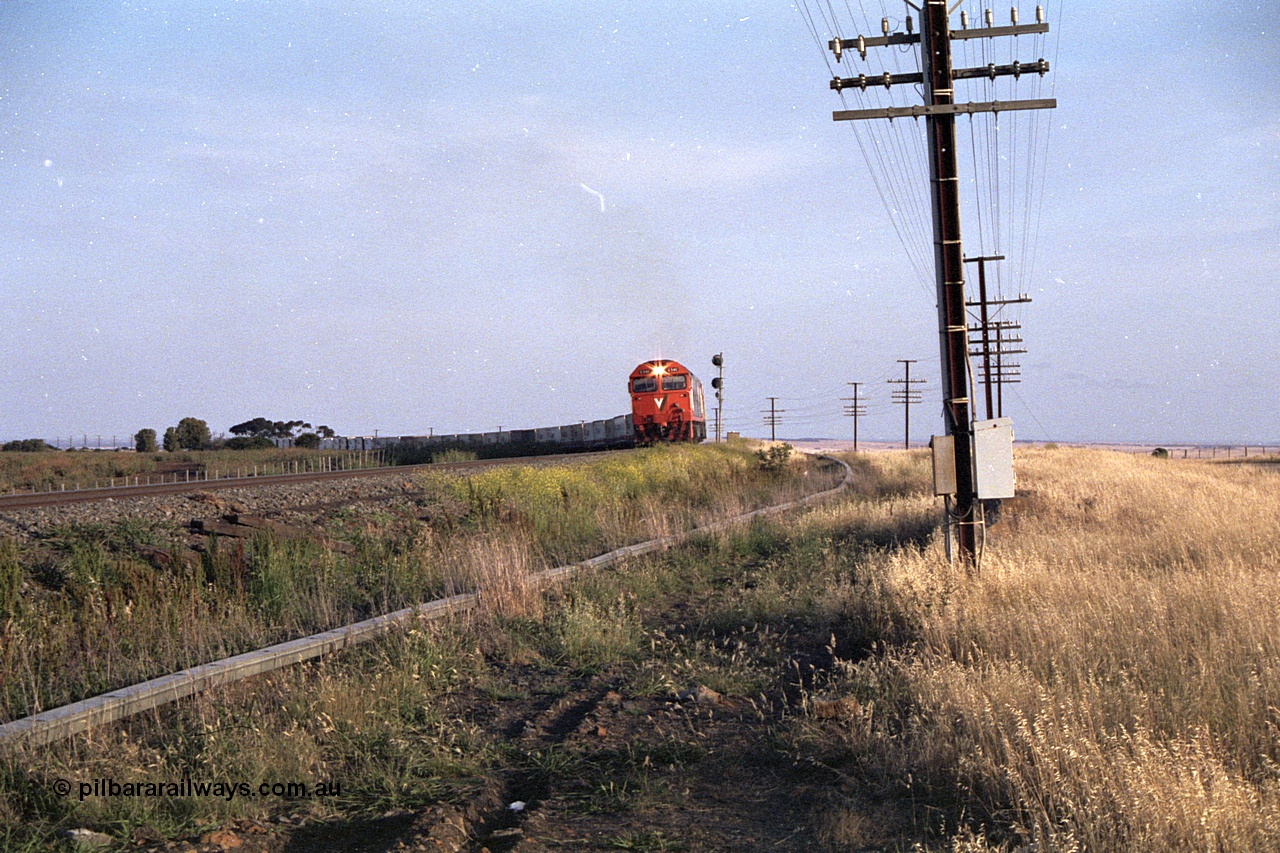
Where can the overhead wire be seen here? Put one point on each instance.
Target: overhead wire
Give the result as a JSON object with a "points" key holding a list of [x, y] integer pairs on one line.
{"points": [[1053, 86], [1009, 151], [899, 195]]}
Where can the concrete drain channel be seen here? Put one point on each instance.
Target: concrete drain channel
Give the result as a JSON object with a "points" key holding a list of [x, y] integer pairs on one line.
{"points": [[87, 714]]}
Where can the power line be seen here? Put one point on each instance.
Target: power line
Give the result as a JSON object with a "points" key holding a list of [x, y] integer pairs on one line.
{"points": [[773, 417], [854, 409], [906, 396], [937, 78]]}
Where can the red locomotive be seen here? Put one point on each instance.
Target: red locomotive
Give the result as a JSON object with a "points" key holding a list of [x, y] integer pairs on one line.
{"points": [[667, 403]]}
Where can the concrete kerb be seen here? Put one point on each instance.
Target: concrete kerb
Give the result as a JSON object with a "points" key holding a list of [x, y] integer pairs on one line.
{"points": [[61, 723]]}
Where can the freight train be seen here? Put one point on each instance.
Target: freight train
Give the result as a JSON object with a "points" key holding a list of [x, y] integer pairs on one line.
{"points": [[667, 404]]}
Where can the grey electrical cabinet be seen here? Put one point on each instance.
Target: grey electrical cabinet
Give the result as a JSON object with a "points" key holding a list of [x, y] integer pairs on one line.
{"points": [[993, 458]]}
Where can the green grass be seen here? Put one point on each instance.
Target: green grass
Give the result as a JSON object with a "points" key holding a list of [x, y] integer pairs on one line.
{"points": [[408, 748], [57, 469], [1107, 682], [84, 612]]}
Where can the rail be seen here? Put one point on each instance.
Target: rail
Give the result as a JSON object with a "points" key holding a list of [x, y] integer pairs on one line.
{"points": [[60, 723], [256, 479]]}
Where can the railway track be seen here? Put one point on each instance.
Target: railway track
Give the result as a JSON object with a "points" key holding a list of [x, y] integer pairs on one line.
{"points": [[27, 500]]}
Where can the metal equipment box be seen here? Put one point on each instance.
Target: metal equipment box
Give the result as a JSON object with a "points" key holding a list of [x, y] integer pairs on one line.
{"points": [[993, 458], [944, 464]]}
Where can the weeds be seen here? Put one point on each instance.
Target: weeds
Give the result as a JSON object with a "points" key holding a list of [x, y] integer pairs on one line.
{"points": [[1108, 681], [774, 459], [85, 612], [1105, 683], [52, 470]]}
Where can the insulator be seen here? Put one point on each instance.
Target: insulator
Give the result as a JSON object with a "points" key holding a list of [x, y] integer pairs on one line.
{"points": [[888, 79], [991, 18], [862, 47], [910, 23], [1013, 15], [836, 47], [964, 20], [1017, 69], [1039, 14], [884, 26], [991, 70]]}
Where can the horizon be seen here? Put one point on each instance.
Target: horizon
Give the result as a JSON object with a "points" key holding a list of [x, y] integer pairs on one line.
{"points": [[398, 218]]}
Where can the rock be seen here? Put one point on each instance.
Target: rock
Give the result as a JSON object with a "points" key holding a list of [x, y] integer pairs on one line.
{"points": [[224, 838], [146, 835], [87, 838]]}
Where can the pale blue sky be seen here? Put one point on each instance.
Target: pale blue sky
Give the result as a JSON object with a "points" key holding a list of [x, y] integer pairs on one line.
{"points": [[389, 215]]}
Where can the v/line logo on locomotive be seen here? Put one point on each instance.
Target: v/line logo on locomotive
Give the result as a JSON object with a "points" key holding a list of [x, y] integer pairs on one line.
{"points": [[667, 403]]}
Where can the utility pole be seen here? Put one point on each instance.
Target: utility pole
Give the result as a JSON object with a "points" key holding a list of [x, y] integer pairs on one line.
{"points": [[906, 396], [772, 419], [717, 382], [939, 110], [983, 329], [854, 409], [1004, 342]]}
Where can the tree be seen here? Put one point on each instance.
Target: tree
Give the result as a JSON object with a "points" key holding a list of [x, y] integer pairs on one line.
{"points": [[26, 445], [307, 439], [284, 429], [256, 427], [193, 434], [245, 442], [253, 428], [144, 441], [171, 439]]}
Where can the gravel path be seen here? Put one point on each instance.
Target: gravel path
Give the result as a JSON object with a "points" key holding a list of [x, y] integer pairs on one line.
{"points": [[290, 503]]}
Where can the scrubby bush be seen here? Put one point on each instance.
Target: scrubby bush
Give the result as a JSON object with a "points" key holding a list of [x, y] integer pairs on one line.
{"points": [[193, 434], [144, 441], [26, 445], [307, 439], [245, 442], [775, 458]]}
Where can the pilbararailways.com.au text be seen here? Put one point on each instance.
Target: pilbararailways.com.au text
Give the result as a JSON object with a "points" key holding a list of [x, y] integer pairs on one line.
{"points": [[187, 787]]}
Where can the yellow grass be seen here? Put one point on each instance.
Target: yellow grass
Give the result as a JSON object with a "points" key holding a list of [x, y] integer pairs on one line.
{"points": [[1111, 678]]}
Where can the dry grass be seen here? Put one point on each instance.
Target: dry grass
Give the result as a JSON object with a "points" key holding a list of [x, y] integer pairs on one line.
{"points": [[82, 612], [1109, 681], [51, 470]]}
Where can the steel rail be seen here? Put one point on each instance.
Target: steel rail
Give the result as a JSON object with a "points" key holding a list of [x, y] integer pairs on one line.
{"points": [[60, 723], [27, 500]]}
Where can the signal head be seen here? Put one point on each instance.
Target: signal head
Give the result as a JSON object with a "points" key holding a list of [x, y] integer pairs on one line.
{"points": [[718, 359]]}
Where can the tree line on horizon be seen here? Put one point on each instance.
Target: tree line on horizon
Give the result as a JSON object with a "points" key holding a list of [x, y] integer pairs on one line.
{"points": [[194, 434]]}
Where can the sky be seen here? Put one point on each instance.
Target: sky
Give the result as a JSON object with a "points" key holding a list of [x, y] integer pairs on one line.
{"points": [[413, 216]]}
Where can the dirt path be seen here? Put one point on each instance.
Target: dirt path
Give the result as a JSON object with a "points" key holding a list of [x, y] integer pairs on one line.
{"points": [[671, 741]]}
